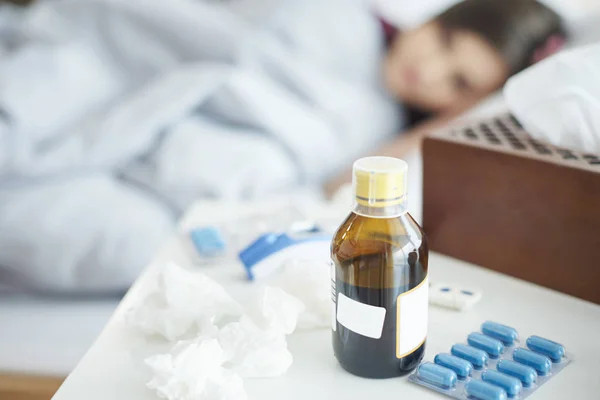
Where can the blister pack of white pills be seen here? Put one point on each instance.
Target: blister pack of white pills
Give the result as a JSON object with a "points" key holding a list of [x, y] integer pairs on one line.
{"points": [[493, 364], [453, 297]]}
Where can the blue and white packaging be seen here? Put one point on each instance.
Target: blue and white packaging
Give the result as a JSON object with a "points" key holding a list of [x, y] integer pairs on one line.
{"points": [[493, 364], [271, 251], [221, 241]]}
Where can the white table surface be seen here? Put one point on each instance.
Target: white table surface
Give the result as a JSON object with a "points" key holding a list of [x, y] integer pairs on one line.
{"points": [[112, 368]]}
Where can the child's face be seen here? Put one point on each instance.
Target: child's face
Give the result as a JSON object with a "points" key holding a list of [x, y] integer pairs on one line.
{"points": [[436, 70]]}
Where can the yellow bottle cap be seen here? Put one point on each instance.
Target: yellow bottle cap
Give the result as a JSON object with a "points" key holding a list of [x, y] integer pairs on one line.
{"points": [[380, 182]]}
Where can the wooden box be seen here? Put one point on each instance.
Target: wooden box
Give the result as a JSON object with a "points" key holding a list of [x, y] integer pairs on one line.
{"points": [[495, 197]]}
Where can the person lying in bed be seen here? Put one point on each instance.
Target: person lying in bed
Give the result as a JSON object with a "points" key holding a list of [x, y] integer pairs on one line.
{"points": [[443, 67], [114, 118]]}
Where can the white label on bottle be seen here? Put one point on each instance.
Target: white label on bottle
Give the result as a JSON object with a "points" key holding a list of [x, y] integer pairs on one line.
{"points": [[361, 318], [333, 295], [411, 322]]}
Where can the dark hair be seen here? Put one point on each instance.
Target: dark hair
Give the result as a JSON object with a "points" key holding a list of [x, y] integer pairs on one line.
{"points": [[516, 28]]}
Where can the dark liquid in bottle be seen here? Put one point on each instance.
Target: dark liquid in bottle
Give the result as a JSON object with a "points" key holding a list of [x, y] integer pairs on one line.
{"points": [[373, 358], [388, 258]]}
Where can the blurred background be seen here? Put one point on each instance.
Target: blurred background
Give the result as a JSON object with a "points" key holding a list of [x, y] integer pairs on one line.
{"points": [[117, 115]]}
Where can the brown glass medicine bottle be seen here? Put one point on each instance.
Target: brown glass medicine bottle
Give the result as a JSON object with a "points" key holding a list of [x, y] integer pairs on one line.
{"points": [[379, 276]]}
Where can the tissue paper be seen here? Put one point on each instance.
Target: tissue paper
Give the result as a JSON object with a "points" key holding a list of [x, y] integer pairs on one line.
{"points": [[280, 311], [558, 99], [229, 344], [184, 304], [253, 352], [259, 349], [309, 282], [193, 371]]}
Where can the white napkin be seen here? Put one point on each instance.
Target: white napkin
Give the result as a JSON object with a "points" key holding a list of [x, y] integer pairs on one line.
{"points": [[227, 343], [558, 100], [183, 305]]}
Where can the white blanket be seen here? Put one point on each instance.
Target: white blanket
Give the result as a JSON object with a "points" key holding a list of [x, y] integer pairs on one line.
{"points": [[116, 114]]}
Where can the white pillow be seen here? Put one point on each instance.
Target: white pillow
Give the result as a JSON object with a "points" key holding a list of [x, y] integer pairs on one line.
{"points": [[574, 9], [410, 13]]}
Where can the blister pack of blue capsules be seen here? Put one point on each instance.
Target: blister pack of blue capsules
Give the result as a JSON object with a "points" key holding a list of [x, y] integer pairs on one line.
{"points": [[494, 364]]}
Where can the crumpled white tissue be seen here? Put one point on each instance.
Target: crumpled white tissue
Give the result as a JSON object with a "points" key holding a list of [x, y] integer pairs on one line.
{"points": [[184, 304], [259, 349], [309, 282], [279, 310], [193, 371], [253, 352], [228, 346]]}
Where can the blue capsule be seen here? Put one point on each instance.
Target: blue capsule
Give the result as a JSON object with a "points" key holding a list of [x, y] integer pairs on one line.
{"points": [[501, 332], [475, 356], [525, 374], [485, 391], [555, 351], [463, 368], [492, 346], [542, 364], [510, 384], [437, 375]]}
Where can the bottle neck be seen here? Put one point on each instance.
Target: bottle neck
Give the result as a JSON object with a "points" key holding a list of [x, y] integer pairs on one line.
{"points": [[390, 211]]}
